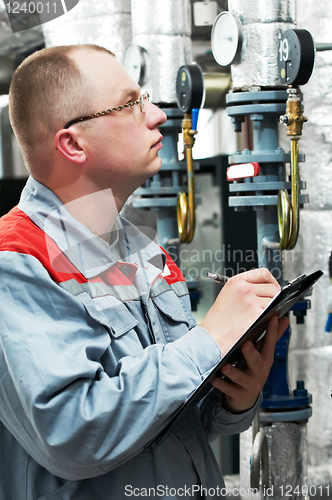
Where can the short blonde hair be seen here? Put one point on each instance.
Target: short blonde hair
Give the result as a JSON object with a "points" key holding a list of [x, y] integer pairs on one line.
{"points": [[47, 90]]}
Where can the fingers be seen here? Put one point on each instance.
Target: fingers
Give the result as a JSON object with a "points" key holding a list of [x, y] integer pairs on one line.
{"points": [[241, 392], [274, 331], [283, 324], [259, 362], [260, 275], [257, 282], [243, 386], [266, 290], [231, 389], [263, 302]]}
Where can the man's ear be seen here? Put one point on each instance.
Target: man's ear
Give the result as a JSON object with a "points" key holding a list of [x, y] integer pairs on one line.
{"points": [[68, 144]]}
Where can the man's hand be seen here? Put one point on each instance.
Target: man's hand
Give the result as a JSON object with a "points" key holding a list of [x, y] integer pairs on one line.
{"points": [[238, 305], [245, 386]]}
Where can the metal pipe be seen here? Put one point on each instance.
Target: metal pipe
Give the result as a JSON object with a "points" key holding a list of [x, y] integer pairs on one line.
{"points": [[216, 86], [186, 208], [295, 167], [289, 213], [320, 47], [260, 463]]}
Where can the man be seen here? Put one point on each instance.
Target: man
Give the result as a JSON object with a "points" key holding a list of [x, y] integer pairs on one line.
{"points": [[98, 344]]}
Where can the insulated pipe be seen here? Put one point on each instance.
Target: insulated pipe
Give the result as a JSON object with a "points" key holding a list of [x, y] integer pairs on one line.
{"points": [[262, 23], [163, 29], [310, 350], [106, 23]]}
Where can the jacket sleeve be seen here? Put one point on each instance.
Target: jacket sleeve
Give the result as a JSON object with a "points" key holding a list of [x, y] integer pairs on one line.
{"points": [[217, 420], [73, 415]]}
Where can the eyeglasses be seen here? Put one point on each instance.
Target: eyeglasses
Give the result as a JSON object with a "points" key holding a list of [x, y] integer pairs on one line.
{"points": [[141, 104]]}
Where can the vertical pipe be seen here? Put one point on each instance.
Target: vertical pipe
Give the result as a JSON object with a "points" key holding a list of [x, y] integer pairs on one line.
{"points": [[106, 23], [163, 29], [266, 138]]}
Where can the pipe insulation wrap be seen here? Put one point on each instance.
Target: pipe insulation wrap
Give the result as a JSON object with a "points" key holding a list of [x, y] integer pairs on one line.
{"points": [[287, 443], [262, 11], [161, 17], [262, 24], [163, 29], [259, 51], [106, 23], [310, 353], [165, 55]]}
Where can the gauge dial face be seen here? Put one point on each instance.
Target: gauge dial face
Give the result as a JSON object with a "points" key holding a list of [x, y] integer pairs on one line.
{"points": [[189, 87], [226, 39], [296, 56], [134, 62]]}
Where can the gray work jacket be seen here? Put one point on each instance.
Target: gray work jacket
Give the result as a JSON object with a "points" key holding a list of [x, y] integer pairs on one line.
{"points": [[98, 348]]}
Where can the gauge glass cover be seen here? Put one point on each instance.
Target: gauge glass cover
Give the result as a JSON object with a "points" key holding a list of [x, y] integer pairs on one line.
{"points": [[226, 39], [133, 61]]}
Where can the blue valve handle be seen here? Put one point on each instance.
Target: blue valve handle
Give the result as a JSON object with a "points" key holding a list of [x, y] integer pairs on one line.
{"points": [[194, 115], [328, 326]]}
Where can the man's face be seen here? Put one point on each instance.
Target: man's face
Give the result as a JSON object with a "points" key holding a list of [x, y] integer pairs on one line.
{"points": [[122, 147]]}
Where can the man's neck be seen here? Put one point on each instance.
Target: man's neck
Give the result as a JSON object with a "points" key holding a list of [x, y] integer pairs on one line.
{"points": [[97, 211]]}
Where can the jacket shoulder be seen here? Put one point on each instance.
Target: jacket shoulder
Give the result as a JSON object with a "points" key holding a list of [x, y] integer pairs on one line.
{"points": [[19, 234]]}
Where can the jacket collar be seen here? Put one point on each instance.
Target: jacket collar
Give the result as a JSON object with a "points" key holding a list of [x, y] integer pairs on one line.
{"points": [[90, 254]]}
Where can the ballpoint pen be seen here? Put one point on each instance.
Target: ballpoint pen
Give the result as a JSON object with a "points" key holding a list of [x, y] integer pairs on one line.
{"points": [[218, 277]]}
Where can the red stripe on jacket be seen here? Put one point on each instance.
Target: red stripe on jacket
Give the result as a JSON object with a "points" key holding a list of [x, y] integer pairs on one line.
{"points": [[176, 273], [18, 233]]}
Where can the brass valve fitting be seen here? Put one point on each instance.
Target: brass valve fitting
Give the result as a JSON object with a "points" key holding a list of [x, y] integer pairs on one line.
{"points": [[294, 118], [188, 133]]}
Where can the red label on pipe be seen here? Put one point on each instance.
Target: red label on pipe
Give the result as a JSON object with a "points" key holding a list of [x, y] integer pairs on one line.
{"points": [[242, 170]]}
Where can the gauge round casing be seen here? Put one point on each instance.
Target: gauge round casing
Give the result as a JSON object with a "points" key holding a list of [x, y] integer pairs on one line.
{"points": [[134, 62], [296, 56], [226, 39], [190, 87]]}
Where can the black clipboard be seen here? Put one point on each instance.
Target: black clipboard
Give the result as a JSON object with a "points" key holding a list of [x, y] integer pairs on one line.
{"points": [[279, 306]]}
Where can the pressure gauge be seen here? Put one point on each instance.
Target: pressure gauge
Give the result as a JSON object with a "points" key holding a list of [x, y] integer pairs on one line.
{"points": [[296, 57], [226, 39], [189, 87], [134, 62]]}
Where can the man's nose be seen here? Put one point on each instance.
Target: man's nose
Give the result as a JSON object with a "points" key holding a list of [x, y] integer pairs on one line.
{"points": [[155, 117]]}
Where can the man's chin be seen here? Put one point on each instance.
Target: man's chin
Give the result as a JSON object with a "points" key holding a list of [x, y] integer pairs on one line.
{"points": [[156, 166]]}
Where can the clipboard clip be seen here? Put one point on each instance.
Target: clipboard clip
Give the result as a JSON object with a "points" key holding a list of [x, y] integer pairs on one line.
{"points": [[295, 280]]}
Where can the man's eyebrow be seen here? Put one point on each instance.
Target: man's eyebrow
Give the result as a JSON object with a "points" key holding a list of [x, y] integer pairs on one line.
{"points": [[128, 94]]}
